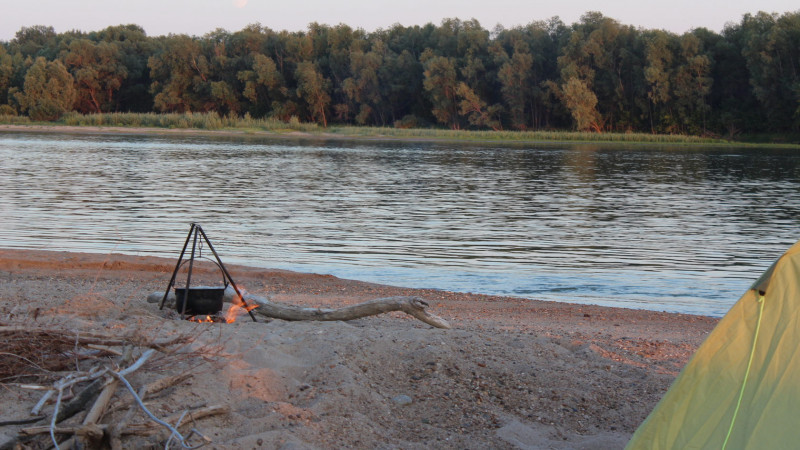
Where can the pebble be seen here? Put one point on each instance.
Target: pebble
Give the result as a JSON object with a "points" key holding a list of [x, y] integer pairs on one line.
{"points": [[403, 400]]}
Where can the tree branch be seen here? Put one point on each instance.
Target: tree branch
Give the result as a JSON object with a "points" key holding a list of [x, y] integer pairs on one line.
{"points": [[413, 306]]}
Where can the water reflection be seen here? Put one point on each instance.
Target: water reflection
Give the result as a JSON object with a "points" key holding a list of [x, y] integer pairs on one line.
{"points": [[659, 228]]}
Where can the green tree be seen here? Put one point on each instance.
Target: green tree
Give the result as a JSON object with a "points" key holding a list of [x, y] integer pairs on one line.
{"points": [[515, 82], [313, 88], [98, 73], [582, 104], [363, 88], [475, 110], [263, 83], [6, 74], [134, 49], [659, 55], [401, 82], [225, 98], [772, 52], [441, 84], [180, 76], [603, 55], [38, 40], [692, 84], [735, 108], [48, 91]]}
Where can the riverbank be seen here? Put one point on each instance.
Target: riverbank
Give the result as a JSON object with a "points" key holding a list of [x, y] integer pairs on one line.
{"points": [[280, 130], [270, 129], [511, 373]]}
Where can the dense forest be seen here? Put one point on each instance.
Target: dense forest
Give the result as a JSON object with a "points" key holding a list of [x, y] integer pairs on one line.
{"points": [[596, 74]]}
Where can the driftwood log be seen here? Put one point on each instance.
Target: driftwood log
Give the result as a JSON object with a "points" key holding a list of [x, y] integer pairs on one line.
{"points": [[413, 306]]}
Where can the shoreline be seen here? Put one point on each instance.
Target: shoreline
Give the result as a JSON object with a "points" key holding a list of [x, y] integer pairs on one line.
{"points": [[332, 136], [60, 260], [511, 371]]}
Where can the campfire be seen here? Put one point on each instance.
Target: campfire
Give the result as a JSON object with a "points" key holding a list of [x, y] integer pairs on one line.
{"points": [[204, 303], [228, 316]]}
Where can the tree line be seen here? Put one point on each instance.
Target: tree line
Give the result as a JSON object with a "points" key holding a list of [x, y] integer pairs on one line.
{"points": [[595, 74]]}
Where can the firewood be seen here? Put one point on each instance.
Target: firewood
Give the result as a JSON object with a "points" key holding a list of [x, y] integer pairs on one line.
{"points": [[151, 428], [79, 402], [152, 388], [413, 306], [86, 338], [116, 430]]}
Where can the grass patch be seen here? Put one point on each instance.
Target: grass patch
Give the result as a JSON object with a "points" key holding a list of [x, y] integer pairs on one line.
{"points": [[213, 121], [522, 136], [11, 119], [199, 121]]}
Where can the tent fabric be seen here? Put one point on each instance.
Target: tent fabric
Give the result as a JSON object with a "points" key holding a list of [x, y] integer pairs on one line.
{"points": [[697, 410]]}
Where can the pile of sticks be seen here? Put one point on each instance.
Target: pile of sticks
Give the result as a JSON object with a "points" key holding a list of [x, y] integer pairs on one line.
{"points": [[77, 401]]}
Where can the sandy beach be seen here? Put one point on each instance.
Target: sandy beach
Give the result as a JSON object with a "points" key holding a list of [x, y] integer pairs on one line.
{"points": [[511, 373]]}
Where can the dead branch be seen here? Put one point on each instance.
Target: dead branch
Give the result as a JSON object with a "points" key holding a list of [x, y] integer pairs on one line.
{"points": [[38, 347], [163, 383], [115, 431], [40, 404], [79, 402], [152, 388], [413, 306], [174, 433], [139, 428], [101, 404], [21, 421], [85, 338], [105, 349], [41, 353], [150, 428], [33, 431]]}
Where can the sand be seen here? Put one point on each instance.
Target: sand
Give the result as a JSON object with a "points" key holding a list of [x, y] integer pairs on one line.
{"points": [[512, 373]]}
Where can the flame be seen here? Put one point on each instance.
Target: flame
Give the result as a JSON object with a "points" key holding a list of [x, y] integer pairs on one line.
{"points": [[237, 308], [206, 319]]}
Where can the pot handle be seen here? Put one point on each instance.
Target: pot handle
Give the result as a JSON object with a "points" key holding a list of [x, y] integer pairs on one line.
{"points": [[224, 279]]}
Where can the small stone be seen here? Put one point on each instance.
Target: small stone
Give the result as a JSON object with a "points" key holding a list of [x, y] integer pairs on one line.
{"points": [[403, 400]]}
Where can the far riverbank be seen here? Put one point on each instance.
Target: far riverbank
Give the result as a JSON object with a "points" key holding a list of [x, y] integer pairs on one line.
{"points": [[197, 126]]}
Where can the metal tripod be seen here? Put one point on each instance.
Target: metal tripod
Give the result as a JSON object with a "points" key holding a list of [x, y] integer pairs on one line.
{"points": [[197, 231]]}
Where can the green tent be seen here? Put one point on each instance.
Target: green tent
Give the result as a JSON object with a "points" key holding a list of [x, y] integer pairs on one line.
{"points": [[741, 390]]}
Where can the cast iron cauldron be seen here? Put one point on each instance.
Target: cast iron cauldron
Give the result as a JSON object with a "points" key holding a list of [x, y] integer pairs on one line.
{"points": [[202, 300]]}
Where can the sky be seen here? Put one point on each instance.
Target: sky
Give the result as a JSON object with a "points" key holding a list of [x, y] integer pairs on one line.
{"points": [[198, 17]]}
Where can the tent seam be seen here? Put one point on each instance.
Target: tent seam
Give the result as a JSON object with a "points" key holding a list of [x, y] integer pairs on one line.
{"points": [[747, 371]]}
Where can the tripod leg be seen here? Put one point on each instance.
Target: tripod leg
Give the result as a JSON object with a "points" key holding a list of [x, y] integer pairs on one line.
{"points": [[177, 266], [227, 275], [189, 274]]}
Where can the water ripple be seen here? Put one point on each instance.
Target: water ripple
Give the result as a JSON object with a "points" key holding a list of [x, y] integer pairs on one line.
{"points": [[657, 228]]}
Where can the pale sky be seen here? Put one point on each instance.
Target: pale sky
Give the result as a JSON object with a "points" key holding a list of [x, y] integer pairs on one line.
{"points": [[197, 17]]}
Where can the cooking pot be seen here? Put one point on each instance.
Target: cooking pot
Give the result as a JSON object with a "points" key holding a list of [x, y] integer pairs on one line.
{"points": [[201, 300]]}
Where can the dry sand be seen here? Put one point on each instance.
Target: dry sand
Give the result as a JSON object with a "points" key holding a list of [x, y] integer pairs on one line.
{"points": [[512, 373]]}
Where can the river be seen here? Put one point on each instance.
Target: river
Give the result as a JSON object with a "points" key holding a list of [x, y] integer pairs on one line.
{"points": [[680, 229]]}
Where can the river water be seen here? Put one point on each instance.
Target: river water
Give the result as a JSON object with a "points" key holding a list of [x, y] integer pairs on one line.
{"points": [[662, 228]]}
